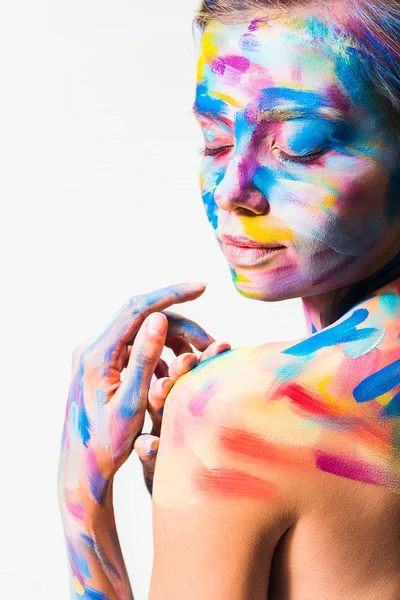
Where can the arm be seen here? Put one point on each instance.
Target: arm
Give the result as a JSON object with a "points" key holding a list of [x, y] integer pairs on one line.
{"points": [[97, 568], [105, 413]]}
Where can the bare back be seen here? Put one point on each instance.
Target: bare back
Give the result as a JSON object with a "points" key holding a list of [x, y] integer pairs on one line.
{"points": [[309, 432]]}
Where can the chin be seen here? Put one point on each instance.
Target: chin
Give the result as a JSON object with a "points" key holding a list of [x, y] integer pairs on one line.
{"points": [[271, 286]]}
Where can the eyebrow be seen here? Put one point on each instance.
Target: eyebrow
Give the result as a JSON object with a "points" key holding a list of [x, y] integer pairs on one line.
{"points": [[279, 114], [215, 116]]}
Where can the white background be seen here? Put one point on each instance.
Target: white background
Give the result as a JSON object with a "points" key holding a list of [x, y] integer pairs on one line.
{"points": [[100, 202]]}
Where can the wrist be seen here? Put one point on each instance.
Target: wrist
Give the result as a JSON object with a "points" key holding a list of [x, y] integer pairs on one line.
{"points": [[85, 506]]}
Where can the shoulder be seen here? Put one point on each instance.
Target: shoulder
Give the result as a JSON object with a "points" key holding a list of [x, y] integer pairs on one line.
{"points": [[329, 403]]}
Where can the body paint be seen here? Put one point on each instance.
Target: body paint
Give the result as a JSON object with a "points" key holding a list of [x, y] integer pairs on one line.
{"points": [[336, 214], [331, 413]]}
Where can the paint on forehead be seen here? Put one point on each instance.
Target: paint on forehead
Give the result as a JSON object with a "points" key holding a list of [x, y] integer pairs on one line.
{"points": [[206, 103], [242, 47]]}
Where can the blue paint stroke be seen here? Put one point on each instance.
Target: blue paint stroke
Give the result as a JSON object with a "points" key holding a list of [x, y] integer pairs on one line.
{"points": [[76, 399], [342, 333], [392, 409], [291, 369], [92, 594], [362, 347], [378, 383], [97, 484], [97, 552], [390, 303], [205, 104], [131, 399]]}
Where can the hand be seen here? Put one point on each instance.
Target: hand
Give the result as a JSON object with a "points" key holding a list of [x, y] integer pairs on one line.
{"points": [[104, 413], [146, 445]]}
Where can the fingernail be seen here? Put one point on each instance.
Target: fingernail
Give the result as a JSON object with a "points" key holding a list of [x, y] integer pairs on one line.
{"points": [[197, 284], [156, 325], [223, 344], [153, 447]]}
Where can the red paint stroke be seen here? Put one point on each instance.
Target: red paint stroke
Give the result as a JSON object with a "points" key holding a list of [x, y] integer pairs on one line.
{"points": [[235, 484], [355, 470], [303, 399], [256, 448]]}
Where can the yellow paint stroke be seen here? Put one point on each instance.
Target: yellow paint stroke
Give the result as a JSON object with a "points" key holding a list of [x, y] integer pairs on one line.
{"points": [[241, 278], [228, 99], [78, 586], [209, 51], [323, 388], [266, 233], [384, 399]]}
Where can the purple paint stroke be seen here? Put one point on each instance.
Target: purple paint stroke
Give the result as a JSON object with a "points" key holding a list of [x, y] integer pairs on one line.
{"points": [[200, 400], [77, 511], [356, 470], [254, 25]]}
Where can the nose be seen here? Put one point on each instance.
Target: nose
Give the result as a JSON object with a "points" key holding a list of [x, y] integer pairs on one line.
{"points": [[237, 191]]}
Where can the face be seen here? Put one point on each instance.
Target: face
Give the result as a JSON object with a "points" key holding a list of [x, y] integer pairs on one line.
{"points": [[299, 177]]}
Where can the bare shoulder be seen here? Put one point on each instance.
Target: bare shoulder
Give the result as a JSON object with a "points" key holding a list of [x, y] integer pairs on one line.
{"points": [[285, 448], [327, 403], [278, 451]]}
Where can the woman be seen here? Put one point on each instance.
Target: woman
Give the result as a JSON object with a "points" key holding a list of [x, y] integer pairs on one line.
{"points": [[278, 471]]}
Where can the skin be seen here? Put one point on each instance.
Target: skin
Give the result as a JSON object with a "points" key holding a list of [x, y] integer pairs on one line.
{"points": [[296, 155], [105, 416], [279, 451], [273, 453]]}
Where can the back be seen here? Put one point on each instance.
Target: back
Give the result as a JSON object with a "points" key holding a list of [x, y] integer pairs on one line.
{"points": [[313, 429]]}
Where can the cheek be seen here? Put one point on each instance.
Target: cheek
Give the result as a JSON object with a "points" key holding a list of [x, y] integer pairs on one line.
{"points": [[344, 212], [209, 180]]}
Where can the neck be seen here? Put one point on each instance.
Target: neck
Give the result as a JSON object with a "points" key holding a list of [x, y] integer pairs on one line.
{"points": [[324, 309]]}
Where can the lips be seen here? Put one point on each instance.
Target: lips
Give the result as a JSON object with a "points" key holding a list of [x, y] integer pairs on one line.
{"points": [[245, 252]]}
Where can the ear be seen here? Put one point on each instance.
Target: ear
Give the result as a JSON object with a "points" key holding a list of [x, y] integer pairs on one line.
{"points": [[197, 31]]}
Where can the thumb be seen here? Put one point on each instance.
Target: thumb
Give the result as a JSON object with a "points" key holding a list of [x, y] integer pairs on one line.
{"points": [[146, 447], [145, 355]]}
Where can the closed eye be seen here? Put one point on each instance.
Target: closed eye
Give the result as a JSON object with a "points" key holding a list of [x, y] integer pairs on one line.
{"points": [[215, 151], [300, 159]]}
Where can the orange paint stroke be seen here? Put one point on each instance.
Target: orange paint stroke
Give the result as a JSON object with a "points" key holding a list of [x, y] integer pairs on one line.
{"points": [[255, 447], [235, 484]]}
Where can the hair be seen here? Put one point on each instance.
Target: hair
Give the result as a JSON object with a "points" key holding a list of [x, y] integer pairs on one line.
{"points": [[373, 26]]}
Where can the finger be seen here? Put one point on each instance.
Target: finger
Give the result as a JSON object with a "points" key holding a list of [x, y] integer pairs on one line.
{"points": [[214, 349], [181, 365], [130, 317], [189, 330], [130, 400], [178, 345], [158, 393], [161, 369], [146, 446]]}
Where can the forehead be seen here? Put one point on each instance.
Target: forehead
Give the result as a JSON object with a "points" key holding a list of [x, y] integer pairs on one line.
{"points": [[289, 62]]}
